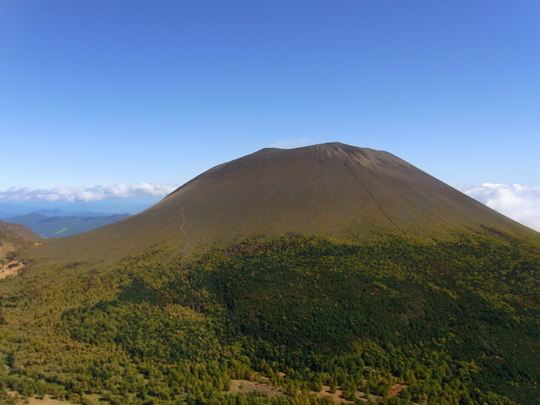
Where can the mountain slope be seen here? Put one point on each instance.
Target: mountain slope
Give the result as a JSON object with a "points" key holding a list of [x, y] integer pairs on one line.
{"points": [[17, 232], [330, 189], [14, 239]]}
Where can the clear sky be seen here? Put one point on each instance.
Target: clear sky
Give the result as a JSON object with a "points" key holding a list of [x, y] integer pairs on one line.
{"points": [[100, 93]]}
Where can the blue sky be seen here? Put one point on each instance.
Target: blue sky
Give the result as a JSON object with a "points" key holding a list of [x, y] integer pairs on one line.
{"points": [[101, 93]]}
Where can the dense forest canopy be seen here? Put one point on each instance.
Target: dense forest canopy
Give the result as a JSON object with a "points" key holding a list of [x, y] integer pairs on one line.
{"points": [[450, 321]]}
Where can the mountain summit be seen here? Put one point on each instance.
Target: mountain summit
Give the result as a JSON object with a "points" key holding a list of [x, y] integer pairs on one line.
{"points": [[329, 189]]}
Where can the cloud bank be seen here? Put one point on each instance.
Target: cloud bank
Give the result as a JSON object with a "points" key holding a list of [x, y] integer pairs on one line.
{"points": [[521, 203], [86, 194]]}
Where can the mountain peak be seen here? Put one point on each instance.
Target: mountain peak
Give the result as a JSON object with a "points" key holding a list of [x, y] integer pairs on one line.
{"points": [[330, 189]]}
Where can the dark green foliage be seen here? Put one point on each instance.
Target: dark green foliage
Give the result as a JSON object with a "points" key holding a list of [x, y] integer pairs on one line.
{"points": [[455, 321]]}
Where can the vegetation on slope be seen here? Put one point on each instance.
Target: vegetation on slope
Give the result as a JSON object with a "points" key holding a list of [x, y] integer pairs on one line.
{"points": [[457, 321], [15, 239], [17, 234]]}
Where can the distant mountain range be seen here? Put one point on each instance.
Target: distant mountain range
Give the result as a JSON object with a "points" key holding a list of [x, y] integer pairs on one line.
{"points": [[104, 207], [57, 225], [63, 213]]}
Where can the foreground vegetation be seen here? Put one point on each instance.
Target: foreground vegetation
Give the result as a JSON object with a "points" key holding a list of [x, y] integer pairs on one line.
{"points": [[456, 321]]}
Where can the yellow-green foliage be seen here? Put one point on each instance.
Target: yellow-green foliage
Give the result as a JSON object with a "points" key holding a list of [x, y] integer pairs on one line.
{"points": [[457, 321]]}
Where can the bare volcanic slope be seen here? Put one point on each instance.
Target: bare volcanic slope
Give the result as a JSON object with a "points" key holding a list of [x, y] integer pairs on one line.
{"points": [[330, 189]]}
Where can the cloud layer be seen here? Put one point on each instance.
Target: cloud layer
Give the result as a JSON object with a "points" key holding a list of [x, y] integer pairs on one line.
{"points": [[77, 194], [521, 203]]}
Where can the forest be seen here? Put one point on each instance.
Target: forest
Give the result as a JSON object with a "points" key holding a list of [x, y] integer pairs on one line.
{"points": [[452, 321]]}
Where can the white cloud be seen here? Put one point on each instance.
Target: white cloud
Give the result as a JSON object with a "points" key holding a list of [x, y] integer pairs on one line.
{"points": [[290, 143], [96, 193], [521, 203]]}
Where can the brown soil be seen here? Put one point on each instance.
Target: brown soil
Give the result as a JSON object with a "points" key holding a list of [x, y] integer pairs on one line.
{"points": [[249, 386], [10, 269], [336, 397], [396, 389], [46, 400], [245, 387]]}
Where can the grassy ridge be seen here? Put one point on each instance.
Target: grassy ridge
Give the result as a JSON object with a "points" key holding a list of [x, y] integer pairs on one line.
{"points": [[457, 321]]}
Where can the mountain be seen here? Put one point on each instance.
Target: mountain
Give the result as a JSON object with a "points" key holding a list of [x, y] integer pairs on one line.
{"points": [[14, 238], [17, 232], [100, 208], [331, 189], [56, 212], [309, 276], [60, 226]]}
